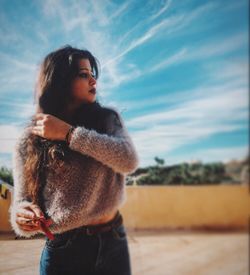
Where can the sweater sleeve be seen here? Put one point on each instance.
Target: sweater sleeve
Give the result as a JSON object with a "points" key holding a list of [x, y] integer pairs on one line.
{"points": [[19, 197], [114, 148]]}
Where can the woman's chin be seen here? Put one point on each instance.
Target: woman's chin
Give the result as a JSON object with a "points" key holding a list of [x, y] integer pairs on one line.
{"points": [[89, 100]]}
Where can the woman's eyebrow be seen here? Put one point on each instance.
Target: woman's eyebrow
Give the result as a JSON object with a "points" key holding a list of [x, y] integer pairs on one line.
{"points": [[84, 69]]}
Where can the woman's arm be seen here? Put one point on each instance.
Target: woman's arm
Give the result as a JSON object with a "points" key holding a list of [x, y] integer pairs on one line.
{"points": [[114, 149], [22, 211]]}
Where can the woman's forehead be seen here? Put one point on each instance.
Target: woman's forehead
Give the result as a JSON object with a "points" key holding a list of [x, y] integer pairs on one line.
{"points": [[84, 64]]}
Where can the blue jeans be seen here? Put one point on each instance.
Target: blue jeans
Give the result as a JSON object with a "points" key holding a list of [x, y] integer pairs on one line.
{"points": [[75, 253]]}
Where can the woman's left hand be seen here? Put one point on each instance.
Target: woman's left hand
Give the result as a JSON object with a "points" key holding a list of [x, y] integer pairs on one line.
{"points": [[50, 127]]}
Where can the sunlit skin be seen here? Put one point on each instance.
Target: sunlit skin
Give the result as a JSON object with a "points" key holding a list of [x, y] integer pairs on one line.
{"points": [[83, 84], [83, 90]]}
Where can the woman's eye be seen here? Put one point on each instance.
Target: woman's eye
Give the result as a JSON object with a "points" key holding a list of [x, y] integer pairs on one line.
{"points": [[83, 75]]}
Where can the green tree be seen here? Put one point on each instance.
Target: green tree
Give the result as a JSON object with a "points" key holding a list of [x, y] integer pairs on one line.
{"points": [[159, 161], [6, 175]]}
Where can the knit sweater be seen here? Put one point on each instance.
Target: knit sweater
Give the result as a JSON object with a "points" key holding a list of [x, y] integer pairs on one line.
{"points": [[90, 184]]}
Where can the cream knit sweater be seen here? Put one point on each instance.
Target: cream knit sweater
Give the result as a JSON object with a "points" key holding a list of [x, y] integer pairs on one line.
{"points": [[90, 184]]}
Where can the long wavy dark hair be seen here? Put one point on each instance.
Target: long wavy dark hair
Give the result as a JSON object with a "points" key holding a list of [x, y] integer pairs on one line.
{"points": [[53, 95]]}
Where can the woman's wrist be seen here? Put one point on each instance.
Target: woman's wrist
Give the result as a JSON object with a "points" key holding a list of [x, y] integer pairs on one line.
{"points": [[69, 134]]}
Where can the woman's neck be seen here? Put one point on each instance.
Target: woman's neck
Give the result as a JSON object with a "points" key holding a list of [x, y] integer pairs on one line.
{"points": [[72, 108]]}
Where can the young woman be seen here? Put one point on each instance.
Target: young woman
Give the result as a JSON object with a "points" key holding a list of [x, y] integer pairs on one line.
{"points": [[69, 169]]}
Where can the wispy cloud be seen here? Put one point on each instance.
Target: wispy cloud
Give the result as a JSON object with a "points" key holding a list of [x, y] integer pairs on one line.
{"points": [[81, 17], [220, 46], [222, 154], [101, 43], [165, 6], [208, 111], [169, 25], [16, 73], [212, 48], [5, 160], [228, 153], [120, 10], [9, 136], [234, 76], [235, 72], [174, 59], [131, 44], [164, 24]]}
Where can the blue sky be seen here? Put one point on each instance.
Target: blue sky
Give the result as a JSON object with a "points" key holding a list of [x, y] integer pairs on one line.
{"points": [[176, 70]]}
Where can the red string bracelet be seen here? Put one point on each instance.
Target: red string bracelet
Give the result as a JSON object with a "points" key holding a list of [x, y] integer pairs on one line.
{"points": [[44, 226]]}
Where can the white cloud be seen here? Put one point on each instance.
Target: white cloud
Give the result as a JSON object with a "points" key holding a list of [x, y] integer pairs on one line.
{"points": [[120, 10], [163, 139], [212, 107], [16, 73], [9, 136], [16, 110], [233, 76], [165, 6], [164, 24], [175, 58], [169, 25], [208, 111], [220, 46], [207, 50], [223, 154], [195, 114], [5, 160], [235, 71]]}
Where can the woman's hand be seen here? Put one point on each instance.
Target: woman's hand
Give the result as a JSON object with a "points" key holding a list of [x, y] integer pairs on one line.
{"points": [[27, 218], [50, 127]]}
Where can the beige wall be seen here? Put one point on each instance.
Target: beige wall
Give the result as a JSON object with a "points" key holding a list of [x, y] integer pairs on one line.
{"points": [[4, 215], [218, 206]]}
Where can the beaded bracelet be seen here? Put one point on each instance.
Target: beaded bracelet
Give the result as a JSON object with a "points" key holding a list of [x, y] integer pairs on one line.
{"points": [[71, 129]]}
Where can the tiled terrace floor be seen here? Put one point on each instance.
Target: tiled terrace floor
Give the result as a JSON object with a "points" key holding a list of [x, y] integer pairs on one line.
{"points": [[152, 253]]}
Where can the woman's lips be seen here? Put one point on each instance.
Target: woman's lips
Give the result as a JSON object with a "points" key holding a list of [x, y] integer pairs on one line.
{"points": [[93, 91]]}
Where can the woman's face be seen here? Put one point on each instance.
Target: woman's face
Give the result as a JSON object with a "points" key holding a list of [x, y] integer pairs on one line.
{"points": [[83, 87]]}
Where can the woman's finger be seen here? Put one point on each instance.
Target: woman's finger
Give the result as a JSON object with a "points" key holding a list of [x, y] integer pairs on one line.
{"points": [[40, 116], [39, 122], [37, 129], [36, 132], [37, 210], [25, 213], [29, 227], [24, 221]]}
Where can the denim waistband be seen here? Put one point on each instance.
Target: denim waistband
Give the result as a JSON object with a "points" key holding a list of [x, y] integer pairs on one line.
{"points": [[95, 229], [104, 227]]}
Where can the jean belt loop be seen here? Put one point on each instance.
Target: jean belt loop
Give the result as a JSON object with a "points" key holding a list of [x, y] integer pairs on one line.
{"points": [[88, 232]]}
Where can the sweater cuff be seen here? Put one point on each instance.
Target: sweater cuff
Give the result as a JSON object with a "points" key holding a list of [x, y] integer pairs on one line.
{"points": [[80, 139]]}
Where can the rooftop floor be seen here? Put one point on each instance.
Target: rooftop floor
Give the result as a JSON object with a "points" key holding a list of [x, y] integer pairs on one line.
{"points": [[152, 253]]}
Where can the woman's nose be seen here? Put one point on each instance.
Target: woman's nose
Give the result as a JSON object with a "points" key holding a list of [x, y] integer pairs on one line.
{"points": [[92, 80]]}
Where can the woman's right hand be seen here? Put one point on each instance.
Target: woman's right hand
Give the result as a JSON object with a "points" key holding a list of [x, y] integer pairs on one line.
{"points": [[27, 217]]}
